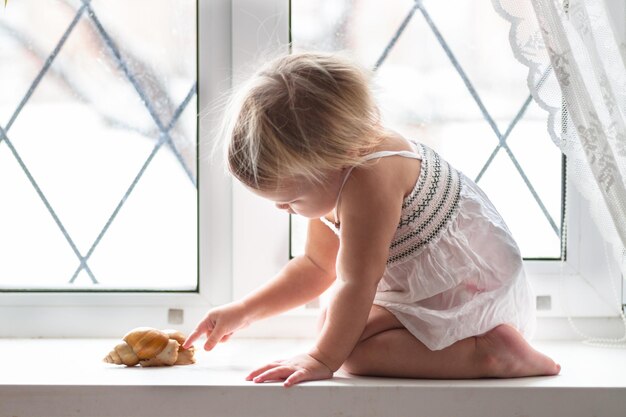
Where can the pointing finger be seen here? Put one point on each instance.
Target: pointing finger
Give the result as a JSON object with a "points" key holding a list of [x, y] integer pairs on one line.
{"points": [[192, 338]]}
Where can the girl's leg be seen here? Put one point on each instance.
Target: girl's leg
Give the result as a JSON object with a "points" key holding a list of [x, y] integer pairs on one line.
{"points": [[386, 348]]}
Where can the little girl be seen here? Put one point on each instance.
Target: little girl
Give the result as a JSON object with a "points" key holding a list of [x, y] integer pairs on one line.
{"points": [[429, 281]]}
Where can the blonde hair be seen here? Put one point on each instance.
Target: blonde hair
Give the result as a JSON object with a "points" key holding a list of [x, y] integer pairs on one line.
{"points": [[299, 117]]}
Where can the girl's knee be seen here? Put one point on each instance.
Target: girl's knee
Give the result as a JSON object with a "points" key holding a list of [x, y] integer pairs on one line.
{"points": [[380, 320], [357, 362], [353, 366]]}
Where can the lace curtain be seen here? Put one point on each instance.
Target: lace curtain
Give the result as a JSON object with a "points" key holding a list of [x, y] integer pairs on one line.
{"points": [[577, 72]]}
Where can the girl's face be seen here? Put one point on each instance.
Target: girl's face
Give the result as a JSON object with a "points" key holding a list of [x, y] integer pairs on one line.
{"points": [[307, 199]]}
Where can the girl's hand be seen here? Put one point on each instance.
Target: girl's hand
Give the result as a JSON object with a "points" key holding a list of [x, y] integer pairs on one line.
{"points": [[218, 325], [297, 369]]}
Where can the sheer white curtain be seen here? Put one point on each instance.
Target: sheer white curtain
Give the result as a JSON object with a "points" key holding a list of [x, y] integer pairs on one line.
{"points": [[576, 58]]}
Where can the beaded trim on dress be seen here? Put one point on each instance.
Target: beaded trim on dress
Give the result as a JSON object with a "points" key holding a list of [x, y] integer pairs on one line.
{"points": [[429, 207], [427, 210]]}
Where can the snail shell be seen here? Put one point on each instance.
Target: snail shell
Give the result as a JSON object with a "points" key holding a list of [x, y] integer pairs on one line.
{"points": [[185, 356], [151, 347]]}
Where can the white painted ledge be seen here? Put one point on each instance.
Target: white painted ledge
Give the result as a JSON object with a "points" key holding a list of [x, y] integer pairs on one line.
{"points": [[54, 377]]}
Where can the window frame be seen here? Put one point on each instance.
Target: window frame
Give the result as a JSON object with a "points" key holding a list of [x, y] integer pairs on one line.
{"points": [[112, 314]]}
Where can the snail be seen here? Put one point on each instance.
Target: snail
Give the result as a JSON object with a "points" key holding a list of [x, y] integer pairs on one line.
{"points": [[151, 347]]}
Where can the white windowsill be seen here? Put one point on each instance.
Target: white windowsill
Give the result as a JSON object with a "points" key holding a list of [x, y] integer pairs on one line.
{"points": [[64, 377]]}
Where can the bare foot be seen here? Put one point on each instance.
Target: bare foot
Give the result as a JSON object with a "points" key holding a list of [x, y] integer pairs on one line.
{"points": [[506, 354]]}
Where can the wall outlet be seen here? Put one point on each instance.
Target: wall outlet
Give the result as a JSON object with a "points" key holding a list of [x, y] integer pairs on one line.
{"points": [[544, 302], [175, 316]]}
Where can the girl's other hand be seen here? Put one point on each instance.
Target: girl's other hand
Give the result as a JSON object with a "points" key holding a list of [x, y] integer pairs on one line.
{"points": [[297, 369], [218, 325]]}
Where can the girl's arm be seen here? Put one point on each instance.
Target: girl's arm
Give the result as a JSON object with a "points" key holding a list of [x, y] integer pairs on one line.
{"points": [[301, 279], [370, 213]]}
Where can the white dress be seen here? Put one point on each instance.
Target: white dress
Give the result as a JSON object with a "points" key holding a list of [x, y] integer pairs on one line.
{"points": [[454, 270]]}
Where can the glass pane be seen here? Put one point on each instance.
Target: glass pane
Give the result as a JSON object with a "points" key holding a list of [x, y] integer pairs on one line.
{"points": [[422, 94], [98, 173]]}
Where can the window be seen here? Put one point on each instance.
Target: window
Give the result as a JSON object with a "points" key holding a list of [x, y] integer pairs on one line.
{"points": [[578, 285], [99, 153], [100, 215], [509, 138]]}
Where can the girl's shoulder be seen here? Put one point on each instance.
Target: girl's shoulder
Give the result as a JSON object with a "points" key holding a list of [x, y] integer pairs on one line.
{"points": [[390, 174], [395, 164]]}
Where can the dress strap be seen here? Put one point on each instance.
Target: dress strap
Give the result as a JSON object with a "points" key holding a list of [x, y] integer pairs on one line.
{"points": [[375, 155], [382, 154], [332, 226]]}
